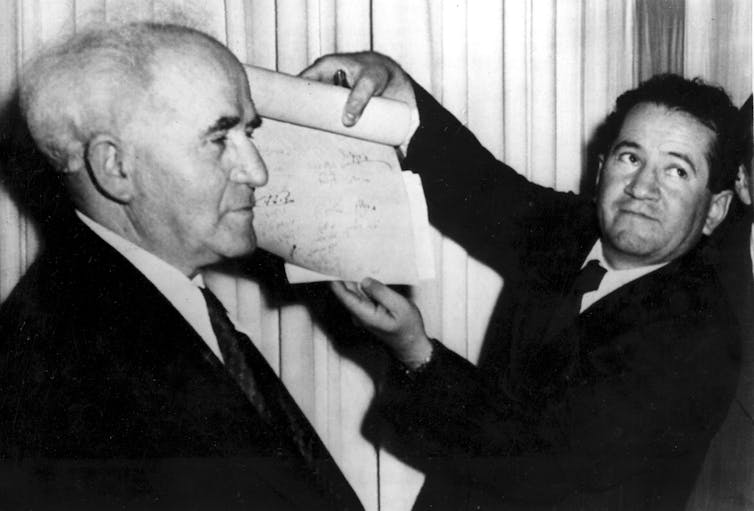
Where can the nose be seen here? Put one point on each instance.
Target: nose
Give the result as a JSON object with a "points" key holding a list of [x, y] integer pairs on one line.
{"points": [[643, 183], [247, 165]]}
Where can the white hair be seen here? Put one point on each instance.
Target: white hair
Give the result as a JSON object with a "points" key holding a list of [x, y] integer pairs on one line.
{"points": [[91, 82]]}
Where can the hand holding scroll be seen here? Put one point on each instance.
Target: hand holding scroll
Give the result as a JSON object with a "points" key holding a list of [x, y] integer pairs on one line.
{"points": [[391, 317], [369, 74]]}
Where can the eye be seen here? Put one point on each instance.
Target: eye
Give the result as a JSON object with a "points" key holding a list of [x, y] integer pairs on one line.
{"points": [[220, 141], [679, 172], [629, 158]]}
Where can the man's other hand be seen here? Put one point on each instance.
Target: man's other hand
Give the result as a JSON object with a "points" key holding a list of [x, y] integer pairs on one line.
{"points": [[389, 316]]}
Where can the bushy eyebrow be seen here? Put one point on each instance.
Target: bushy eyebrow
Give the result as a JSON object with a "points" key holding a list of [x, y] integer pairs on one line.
{"points": [[684, 157], [223, 124], [627, 144], [227, 122]]}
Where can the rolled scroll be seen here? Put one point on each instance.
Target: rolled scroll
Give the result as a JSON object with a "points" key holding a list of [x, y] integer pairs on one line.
{"points": [[317, 105]]}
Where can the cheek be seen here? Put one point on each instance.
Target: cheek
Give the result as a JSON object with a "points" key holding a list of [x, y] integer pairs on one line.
{"points": [[199, 189], [609, 192], [611, 181], [685, 207]]}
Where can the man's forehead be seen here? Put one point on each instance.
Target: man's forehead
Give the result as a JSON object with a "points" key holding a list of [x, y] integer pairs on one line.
{"points": [[197, 82], [666, 128], [194, 60]]}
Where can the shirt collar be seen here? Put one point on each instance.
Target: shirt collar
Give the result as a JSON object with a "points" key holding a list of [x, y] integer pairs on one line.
{"points": [[174, 285], [154, 268], [613, 279]]}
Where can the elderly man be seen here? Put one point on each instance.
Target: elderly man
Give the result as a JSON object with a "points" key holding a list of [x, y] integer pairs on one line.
{"points": [[122, 380], [609, 363]]}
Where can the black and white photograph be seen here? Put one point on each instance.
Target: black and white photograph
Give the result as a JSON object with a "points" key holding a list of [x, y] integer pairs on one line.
{"points": [[378, 255]]}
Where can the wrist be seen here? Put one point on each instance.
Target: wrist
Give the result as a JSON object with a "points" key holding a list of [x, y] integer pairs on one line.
{"points": [[418, 354]]}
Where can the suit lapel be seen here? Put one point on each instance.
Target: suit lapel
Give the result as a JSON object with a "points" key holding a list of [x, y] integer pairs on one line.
{"points": [[134, 299], [147, 330], [538, 364], [679, 291], [636, 303], [143, 329]]}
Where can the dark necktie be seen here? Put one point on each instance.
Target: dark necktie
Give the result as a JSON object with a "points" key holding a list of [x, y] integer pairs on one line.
{"points": [[240, 355], [271, 400], [588, 279]]}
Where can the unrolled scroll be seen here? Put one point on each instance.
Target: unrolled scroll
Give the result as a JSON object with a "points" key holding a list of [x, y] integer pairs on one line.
{"points": [[334, 205]]}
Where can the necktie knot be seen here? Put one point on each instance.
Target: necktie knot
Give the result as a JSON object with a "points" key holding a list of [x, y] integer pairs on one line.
{"points": [[228, 338], [215, 307], [589, 278]]}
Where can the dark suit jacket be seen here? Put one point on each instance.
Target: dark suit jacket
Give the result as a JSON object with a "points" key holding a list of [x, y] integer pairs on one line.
{"points": [[109, 398], [726, 481], [615, 412]]}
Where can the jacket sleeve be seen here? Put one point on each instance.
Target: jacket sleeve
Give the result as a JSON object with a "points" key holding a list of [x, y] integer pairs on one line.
{"points": [[473, 198], [624, 412]]}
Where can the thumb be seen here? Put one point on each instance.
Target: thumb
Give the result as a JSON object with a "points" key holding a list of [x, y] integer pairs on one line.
{"points": [[321, 70]]}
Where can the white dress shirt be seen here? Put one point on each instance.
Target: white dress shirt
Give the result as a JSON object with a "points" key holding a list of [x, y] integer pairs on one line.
{"points": [[613, 279], [183, 293]]}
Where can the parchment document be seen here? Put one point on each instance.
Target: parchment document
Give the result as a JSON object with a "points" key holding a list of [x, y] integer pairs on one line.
{"points": [[335, 206]]}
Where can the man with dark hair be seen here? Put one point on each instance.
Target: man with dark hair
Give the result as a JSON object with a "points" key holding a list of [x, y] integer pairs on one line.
{"points": [[608, 364], [708, 105], [123, 382]]}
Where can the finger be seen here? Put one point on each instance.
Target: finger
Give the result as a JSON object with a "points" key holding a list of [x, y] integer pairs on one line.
{"points": [[378, 292], [365, 310], [355, 301], [351, 286], [354, 287], [342, 288], [323, 69], [365, 87]]}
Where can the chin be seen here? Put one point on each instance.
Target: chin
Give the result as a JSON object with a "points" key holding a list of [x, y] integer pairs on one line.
{"points": [[238, 247], [633, 245], [242, 251]]}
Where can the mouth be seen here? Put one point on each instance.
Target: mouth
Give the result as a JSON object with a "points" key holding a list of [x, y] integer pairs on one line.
{"points": [[637, 213], [246, 206], [243, 210]]}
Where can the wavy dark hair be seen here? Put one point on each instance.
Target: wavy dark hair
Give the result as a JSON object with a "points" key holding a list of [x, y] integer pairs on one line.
{"points": [[707, 103]]}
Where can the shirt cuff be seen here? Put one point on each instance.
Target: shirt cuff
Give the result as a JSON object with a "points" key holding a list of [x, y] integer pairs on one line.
{"points": [[413, 125]]}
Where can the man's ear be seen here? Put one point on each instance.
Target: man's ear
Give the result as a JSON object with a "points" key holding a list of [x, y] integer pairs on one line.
{"points": [[104, 160], [742, 185], [718, 208]]}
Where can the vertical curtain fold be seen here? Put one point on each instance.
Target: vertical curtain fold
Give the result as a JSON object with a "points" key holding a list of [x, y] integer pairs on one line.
{"points": [[662, 36]]}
